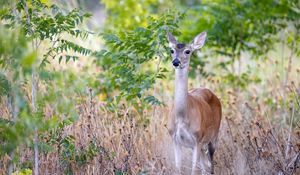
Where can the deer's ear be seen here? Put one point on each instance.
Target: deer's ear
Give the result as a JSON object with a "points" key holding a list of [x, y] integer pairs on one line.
{"points": [[199, 41], [172, 40]]}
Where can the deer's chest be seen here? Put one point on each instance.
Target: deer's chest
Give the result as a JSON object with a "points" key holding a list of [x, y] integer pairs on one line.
{"points": [[183, 136]]}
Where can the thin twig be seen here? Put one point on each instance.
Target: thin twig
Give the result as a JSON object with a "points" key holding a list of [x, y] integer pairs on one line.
{"points": [[289, 144], [271, 132]]}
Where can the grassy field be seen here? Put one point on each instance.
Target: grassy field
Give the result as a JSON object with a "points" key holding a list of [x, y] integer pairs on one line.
{"points": [[253, 137]]}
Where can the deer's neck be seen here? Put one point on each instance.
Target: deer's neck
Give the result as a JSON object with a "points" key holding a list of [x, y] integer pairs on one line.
{"points": [[181, 92]]}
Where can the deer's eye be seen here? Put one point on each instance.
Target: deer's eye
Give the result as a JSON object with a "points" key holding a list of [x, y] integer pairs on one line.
{"points": [[187, 52], [172, 51]]}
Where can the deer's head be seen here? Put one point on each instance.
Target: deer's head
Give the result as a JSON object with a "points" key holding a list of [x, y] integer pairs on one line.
{"points": [[181, 53]]}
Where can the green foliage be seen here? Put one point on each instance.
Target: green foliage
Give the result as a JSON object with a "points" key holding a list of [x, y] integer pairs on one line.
{"points": [[34, 23], [241, 81], [129, 54], [131, 13], [4, 86], [15, 133], [152, 100], [70, 155], [50, 23], [236, 27], [23, 172], [290, 24], [13, 47]]}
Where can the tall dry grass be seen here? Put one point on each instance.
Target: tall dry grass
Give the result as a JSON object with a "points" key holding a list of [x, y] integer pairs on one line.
{"points": [[249, 143], [253, 139]]}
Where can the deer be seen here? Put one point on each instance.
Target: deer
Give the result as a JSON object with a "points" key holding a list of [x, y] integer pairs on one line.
{"points": [[195, 116]]}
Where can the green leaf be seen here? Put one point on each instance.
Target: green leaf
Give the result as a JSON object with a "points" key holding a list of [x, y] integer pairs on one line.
{"points": [[152, 100], [29, 60], [5, 87]]}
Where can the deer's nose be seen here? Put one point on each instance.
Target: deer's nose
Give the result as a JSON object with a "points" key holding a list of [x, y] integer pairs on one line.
{"points": [[175, 62]]}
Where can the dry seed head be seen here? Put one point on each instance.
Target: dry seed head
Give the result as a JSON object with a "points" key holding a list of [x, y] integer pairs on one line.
{"points": [[297, 147], [292, 82], [126, 153]]}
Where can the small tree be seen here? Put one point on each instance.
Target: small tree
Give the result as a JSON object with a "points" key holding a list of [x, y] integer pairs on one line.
{"points": [[35, 23], [236, 27]]}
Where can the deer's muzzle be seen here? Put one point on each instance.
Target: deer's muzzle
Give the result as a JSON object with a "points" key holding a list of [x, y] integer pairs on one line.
{"points": [[176, 62]]}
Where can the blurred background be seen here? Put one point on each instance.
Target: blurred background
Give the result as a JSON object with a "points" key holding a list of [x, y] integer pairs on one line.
{"points": [[86, 86]]}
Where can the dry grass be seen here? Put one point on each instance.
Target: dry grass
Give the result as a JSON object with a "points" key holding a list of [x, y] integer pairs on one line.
{"points": [[248, 144], [253, 137]]}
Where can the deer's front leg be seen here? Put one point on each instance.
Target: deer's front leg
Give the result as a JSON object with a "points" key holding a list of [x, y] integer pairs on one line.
{"points": [[178, 156], [204, 161], [195, 159]]}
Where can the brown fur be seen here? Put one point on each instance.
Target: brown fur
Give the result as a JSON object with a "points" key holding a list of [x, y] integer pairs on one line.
{"points": [[203, 115]]}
